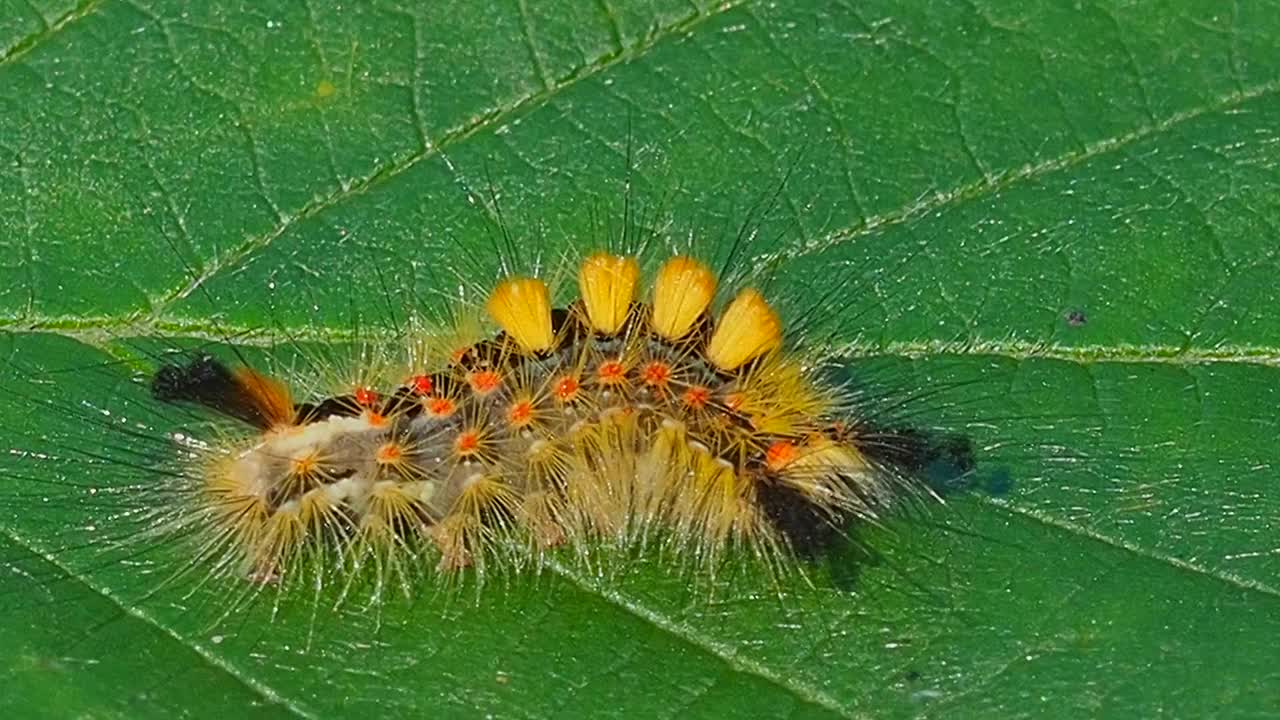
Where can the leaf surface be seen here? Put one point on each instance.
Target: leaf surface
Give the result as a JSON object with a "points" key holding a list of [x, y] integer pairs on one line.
{"points": [[1067, 213]]}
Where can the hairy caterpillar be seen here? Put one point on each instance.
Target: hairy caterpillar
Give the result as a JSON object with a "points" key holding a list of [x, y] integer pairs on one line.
{"points": [[614, 419]]}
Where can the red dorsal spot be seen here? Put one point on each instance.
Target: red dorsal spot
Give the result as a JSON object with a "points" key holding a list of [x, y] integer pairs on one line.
{"points": [[565, 389], [483, 382], [779, 455], [441, 407], [467, 442], [422, 384], [839, 431], [521, 413], [303, 466], [612, 372], [656, 374], [697, 397], [389, 453], [365, 397]]}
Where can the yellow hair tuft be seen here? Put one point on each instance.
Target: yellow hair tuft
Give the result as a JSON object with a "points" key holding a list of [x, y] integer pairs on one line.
{"points": [[681, 293], [608, 284], [522, 308], [748, 329]]}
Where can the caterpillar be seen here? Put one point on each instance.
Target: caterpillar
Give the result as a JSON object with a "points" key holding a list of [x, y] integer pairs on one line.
{"points": [[630, 416]]}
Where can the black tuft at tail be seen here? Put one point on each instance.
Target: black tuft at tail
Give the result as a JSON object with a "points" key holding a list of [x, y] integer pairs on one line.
{"points": [[913, 452], [206, 381], [809, 529]]}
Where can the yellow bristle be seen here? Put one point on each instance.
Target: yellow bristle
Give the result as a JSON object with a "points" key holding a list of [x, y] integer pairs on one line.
{"points": [[542, 512], [681, 292], [608, 284], [824, 457], [748, 329], [522, 308], [777, 398], [391, 509], [283, 534], [316, 511], [821, 470], [454, 536], [602, 482]]}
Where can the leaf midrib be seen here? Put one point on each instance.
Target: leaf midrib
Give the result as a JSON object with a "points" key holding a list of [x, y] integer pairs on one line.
{"points": [[100, 333]]}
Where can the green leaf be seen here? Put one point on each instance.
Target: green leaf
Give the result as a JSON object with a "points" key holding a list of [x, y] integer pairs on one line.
{"points": [[1067, 214]]}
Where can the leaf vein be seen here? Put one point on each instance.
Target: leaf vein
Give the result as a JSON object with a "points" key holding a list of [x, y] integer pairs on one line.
{"points": [[234, 258], [101, 331], [82, 10], [801, 690], [942, 199], [256, 687], [1066, 526]]}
